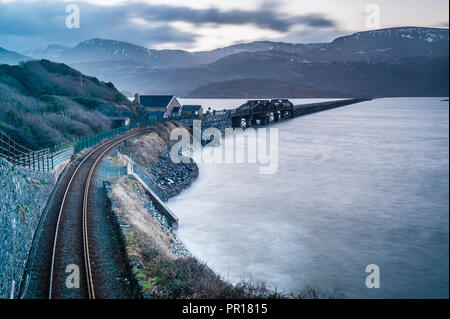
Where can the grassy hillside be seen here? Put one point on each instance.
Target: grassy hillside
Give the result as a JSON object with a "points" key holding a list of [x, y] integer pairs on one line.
{"points": [[43, 104]]}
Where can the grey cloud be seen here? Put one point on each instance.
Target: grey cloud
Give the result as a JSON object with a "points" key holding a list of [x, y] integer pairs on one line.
{"points": [[315, 20], [266, 18], [25, 26], [39, 24]]}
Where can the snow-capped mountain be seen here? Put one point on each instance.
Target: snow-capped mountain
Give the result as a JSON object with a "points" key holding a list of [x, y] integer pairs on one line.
{"points": [[399, 52], [384, 44], [411, 33], [387, 44], [102, 50]]}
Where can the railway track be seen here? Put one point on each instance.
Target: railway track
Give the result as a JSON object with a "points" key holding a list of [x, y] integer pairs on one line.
{"points": [[71, 253]]}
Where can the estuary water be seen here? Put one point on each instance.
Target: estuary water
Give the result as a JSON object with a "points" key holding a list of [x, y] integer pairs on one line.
{"points": [[362, 184]]}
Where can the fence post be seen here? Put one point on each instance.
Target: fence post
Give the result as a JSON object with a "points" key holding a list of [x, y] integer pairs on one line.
{"points": [[9, 149], [14, 156]]}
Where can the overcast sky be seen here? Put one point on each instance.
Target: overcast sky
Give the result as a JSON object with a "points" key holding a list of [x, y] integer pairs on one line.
{"points": [[204, 24]]}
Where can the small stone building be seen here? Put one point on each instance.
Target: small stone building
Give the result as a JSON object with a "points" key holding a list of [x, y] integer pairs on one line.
{"points": [[192, 110], [158, 106]]}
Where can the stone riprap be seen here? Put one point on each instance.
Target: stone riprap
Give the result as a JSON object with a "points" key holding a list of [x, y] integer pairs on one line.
{"points": [[221, 122], [23, 197], [172, 178]]}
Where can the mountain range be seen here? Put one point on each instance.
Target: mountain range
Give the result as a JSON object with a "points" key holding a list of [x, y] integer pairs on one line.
{"points": [[10, 57], [405, 61]]}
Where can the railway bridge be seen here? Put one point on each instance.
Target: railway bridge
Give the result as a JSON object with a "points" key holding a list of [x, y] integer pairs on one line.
{"points": [[262, 112]]}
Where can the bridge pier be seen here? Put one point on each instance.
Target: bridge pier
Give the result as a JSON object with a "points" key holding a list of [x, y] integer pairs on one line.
{"points": [[287, 114], [236, 121], [276, 116]]}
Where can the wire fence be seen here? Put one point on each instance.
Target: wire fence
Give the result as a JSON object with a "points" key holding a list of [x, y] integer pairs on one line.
{"points": [[46, 161], [19, 155]]}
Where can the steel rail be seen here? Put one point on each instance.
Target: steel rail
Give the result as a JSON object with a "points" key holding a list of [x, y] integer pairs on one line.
{"points": [[90, 282], [119, 139]]}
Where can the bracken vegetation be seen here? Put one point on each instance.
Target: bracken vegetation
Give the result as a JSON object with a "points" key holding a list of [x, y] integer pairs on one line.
{"points": [[163, 277], [45, 104]]}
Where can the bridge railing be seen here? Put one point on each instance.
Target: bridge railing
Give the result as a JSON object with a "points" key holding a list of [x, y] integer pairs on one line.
{"points": [[46, 161]]}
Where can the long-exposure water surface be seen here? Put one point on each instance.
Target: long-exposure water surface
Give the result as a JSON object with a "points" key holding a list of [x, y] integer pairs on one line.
{"points": [[358, 185]]}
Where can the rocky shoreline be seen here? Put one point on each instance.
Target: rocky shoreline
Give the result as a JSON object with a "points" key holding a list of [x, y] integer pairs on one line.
{"points": [[160, 263], [177, 246], [170, 177], [152, 154]]}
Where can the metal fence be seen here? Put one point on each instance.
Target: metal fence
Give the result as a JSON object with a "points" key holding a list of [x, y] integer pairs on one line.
{"points": [[220, 112], [19, 155], [95, 139], [46, 161]]}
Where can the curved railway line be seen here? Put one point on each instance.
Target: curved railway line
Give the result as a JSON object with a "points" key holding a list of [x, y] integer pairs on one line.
{"points": [[71, 237], [67, 240]]}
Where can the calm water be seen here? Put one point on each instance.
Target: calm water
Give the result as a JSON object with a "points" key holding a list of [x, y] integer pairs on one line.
{"points": [[364, 184]]}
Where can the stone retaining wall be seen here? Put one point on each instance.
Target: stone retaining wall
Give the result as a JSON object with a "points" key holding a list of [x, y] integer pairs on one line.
{"points": [[23, 197]]}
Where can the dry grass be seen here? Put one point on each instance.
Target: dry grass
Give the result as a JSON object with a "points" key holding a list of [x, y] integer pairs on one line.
{"points": [[143, 226], [150, 146]]}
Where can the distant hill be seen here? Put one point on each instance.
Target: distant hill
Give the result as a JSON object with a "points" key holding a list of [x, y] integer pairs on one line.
{"points": [[328, 67], [43, 103], [51, 52], [10, 57], [406, 77], [259, 88]]}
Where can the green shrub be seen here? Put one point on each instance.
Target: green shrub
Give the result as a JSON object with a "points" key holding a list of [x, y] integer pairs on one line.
{"points": [[89, 102], [54, 104], [147, 286], [140, 275], [119, 98]]}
